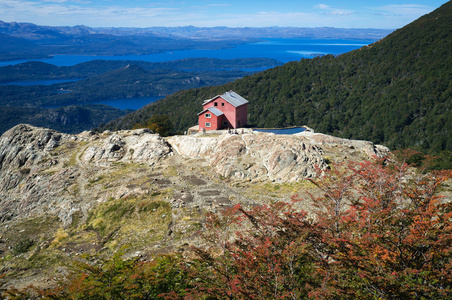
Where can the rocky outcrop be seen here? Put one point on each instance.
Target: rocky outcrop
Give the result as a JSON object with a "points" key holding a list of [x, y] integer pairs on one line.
{"points": [[24, 145], [24, 150], [266, 157], [194, 146], [35, 178], [253, 156], [367, 147], [44, 171], [128, 146], [74, 194]]}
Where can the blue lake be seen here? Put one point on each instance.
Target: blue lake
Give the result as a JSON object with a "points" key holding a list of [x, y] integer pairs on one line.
{"points": [[283, 131], [130, 103], [283, 50]]}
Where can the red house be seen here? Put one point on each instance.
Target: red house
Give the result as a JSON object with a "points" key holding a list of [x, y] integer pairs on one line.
{"points": [[229, 110]]}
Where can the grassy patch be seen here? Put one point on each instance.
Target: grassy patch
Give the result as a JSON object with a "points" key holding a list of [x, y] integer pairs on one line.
{"points": [[82, 144], [133, 220], [171, 171], [269, 191], [59, 237], [115, 175], [47, 261], [40, 228], [72, 160], [23, 245], [92, 181]]}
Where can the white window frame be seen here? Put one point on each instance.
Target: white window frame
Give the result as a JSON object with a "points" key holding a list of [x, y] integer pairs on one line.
{"points": [[208, 116], [207, 124]]}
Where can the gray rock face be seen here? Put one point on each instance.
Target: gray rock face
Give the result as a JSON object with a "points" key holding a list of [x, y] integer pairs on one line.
{"points": [[23, 151], [193, 146], [44, 171], [367, 147], [130, 146], [263, 156], [35, 179], [266, 157], [24, 145]]}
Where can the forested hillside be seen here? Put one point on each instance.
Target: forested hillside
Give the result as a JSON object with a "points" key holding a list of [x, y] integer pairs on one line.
{"points": [[72, 118], [103, 80], [35, 70], [397, 91]]}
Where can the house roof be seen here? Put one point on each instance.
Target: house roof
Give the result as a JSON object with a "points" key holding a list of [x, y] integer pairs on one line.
{"points": [[231, 97], [213, 110]]}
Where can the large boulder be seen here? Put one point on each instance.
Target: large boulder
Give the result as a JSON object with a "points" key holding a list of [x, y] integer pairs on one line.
{"points": [[141, 146]]}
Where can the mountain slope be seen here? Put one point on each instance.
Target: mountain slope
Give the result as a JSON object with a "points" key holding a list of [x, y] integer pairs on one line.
{"points": [[63, 196], [396, 91], [69, 119]]}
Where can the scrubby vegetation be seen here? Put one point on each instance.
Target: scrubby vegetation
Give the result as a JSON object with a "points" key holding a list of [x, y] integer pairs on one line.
{"points": [[378, 230], [158, 124]]}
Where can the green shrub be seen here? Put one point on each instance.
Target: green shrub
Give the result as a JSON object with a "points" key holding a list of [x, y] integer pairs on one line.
{"points": [[23, 246]]}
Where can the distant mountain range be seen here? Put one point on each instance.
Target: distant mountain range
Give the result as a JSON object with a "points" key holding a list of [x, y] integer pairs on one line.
{"points": [[397, 91], [26, 40], [208, 33]]}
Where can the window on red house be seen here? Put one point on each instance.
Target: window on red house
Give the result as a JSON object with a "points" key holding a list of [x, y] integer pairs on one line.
{"points": [[207, 124], [208, 115], [215, 104]]}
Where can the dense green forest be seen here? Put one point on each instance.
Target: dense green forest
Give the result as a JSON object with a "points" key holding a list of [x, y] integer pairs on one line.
{"points": [[397, 91]]}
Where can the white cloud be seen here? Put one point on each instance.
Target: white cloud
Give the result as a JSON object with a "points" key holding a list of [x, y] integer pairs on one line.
{"points": [[55, 1], [341, 12], [333, 11], [218, 5], [322, 6], [403, 10]]}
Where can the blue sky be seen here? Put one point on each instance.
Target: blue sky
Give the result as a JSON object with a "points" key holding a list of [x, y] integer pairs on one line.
{"points": [[232, 13]]}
